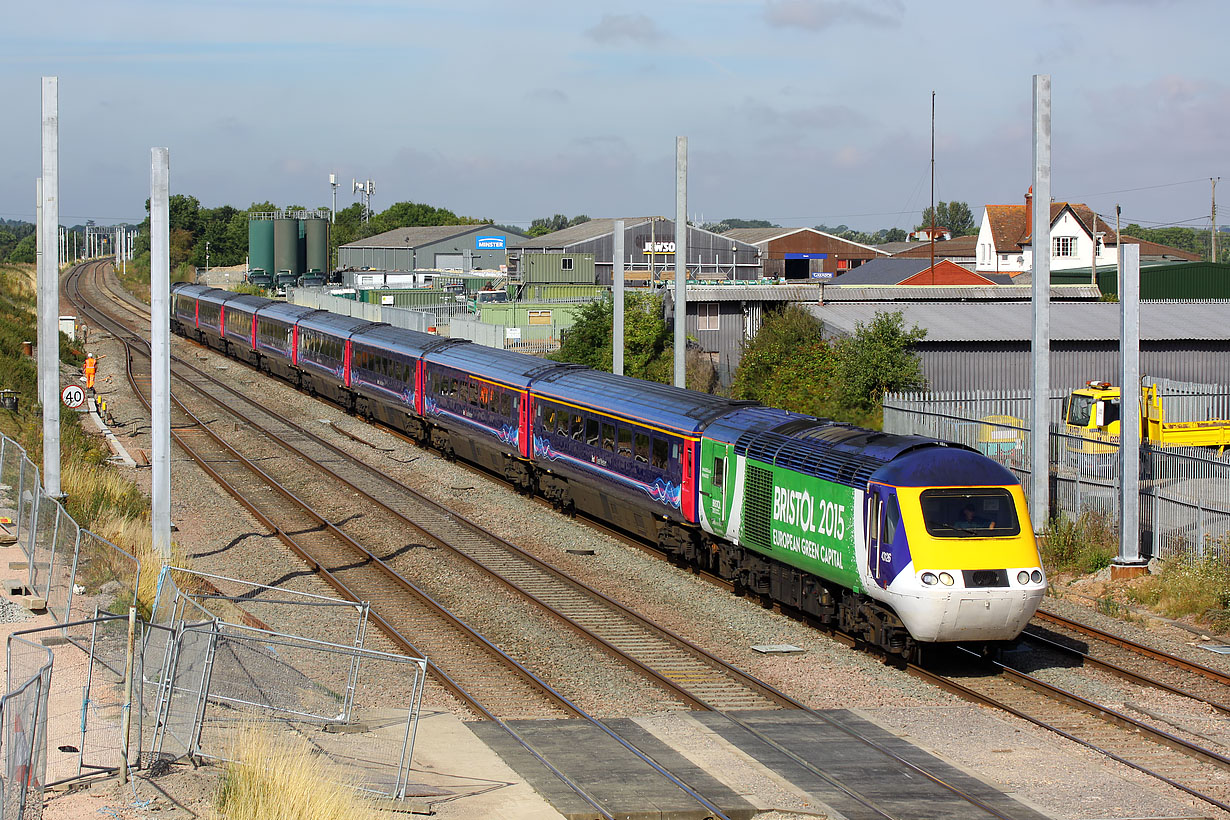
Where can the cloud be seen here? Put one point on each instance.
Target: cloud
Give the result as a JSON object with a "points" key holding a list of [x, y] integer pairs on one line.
{"points": [[548, 95], [813, 117], [632, 28], [817, 15]]}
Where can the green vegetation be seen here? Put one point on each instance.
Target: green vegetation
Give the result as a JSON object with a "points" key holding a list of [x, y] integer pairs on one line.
{"points": [[955, 216], [1189, 585], [555, 223], [648, 342], [16, 241], [1187, 239], [790, 365], [1085, 545]]}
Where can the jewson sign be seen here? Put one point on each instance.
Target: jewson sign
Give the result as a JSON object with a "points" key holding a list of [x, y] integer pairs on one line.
{"points": [[491, 243]]}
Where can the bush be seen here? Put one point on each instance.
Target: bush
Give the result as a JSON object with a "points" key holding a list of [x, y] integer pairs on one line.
{"points": [[1085, 545]]}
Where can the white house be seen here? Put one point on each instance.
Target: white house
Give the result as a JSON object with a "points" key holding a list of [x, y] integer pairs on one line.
{"points": [[1077, 234]]}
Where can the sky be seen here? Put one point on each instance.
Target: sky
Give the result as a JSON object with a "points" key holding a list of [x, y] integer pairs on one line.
{"points": [[802, 112]]}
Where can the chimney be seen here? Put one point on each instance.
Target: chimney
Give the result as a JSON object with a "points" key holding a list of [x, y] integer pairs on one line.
{"points": [[1029, 212]]}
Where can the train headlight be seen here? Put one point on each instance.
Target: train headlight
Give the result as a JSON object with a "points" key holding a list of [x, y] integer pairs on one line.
{"points": [[1036, 576], [946, 579], [1022, 577], [929, 579]]}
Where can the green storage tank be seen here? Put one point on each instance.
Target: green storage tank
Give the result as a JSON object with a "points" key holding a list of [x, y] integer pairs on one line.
{"points": [[286, 246], [317, 233], [260, 245]]}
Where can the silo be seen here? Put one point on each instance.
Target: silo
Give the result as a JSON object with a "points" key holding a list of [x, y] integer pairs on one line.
{"points": [[317, 245], [260, 245], [286, 246]]}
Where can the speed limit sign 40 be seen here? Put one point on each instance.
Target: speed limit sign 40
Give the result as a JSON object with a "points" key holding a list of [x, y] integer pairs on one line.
{"points": [[73, 397]]}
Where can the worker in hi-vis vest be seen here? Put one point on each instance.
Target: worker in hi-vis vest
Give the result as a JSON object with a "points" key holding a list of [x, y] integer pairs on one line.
{"points": [[90, 368]]}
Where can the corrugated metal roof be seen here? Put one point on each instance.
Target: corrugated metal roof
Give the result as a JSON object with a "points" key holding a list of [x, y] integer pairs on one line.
{"points": [[1013, 321], [753, 293], [754, 235], [584, 232], [961, 293], [415, 237]]}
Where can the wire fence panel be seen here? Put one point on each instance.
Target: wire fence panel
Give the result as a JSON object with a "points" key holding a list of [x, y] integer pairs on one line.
{"points": [[59, 589], [11, 458], [23, 729], [359, 708], [104, 577], [182, 695], [1184, 491], [27, 491], [44, 540]]}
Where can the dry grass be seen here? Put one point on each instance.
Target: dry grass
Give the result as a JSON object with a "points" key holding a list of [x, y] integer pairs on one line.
{"points": [[277, 777], [1192, 586]]}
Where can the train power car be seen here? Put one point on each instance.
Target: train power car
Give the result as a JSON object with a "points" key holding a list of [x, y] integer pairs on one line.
{"points": [[898, 540]]}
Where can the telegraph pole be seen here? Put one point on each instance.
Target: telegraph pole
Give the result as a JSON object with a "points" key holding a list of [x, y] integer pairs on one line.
{"points": [[160, 350], [48, 292], [1213, 235], [1040, 421], [681, 259]]}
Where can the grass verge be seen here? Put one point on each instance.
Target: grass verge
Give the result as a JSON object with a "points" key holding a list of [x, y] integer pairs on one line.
{"points": [[278, 777], [1085, 545], [1196, 585]]}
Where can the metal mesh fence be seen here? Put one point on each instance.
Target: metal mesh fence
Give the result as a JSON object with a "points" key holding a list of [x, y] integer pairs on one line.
{"points": [[47, 511], [23, 729], [58, 591], [11, 458], [1184, 491]]}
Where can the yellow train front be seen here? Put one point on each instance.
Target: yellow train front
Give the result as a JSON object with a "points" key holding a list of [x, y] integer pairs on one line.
{"points": [[950, 547]]}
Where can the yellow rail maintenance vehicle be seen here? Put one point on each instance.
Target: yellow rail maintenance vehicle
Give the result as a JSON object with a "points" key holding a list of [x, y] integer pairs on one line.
{"points": [[1091, 414]]}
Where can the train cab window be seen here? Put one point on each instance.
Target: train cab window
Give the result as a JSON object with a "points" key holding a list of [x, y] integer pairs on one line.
{"points": [[642, 448], [625, 442], [892, 518], [969, 513], [719, 473], [591, 432], [608, 437], [661, 451]]}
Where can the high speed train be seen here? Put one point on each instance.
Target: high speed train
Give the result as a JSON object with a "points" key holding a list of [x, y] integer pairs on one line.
{"points": [[897, 540]]}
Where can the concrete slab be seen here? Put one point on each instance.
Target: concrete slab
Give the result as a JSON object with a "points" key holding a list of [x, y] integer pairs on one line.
{"points": [[622, 783], [852, 775]]}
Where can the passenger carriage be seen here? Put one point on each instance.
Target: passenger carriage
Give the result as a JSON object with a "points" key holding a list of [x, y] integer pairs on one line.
{"points": [[323, 354], [476, 400], [239, 325], [210, 306], [387, 376], [277, 335], [622, 449]]}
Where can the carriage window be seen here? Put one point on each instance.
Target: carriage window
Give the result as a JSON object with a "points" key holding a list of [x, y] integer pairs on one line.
{"points": [[642, 448], [719, 472], [548, 422], [608, 437], [452, 387], [578, 427], [660, 453], [564, 421], [625, 442], [591, 432], [505, 405]]}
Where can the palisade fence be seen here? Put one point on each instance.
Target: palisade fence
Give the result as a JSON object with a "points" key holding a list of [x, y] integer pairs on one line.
{"points": [[526, 339], [216, 657], [1184, 491]]}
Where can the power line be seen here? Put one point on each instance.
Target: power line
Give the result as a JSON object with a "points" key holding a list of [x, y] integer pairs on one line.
{"points": [[1142, 188]]}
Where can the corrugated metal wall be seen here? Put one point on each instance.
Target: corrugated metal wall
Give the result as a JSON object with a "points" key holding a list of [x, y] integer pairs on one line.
{"points": [[1007, 366], [376, 258], [1182, 280]]}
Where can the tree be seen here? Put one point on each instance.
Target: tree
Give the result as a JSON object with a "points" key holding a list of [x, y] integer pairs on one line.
{"points": [[546, 225], [877, 359], [955, 216], [647, 339], [24, 251], [788, 364]]}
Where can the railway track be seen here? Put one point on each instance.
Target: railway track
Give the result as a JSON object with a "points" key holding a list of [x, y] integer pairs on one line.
{"points": [[696, 678], [1186, 763]]}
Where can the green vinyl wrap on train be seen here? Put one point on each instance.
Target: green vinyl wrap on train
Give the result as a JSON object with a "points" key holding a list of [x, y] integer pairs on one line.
{"points": [[798, 519]]}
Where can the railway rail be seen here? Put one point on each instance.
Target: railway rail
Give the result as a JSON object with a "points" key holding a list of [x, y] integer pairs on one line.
{"points": [[686, 671]]}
